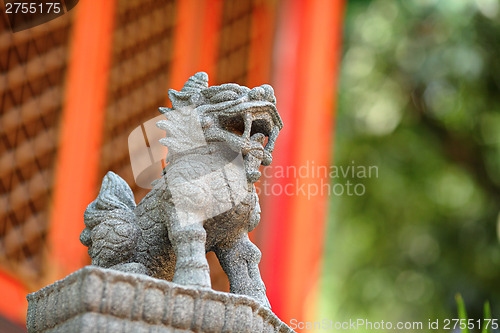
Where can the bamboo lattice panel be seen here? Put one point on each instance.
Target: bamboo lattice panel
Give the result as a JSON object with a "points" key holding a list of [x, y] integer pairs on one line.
{"points": [[142, 50], [235, 38], [33, 67]]}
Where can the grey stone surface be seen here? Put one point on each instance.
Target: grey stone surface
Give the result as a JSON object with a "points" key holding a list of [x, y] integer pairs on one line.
{"points": [[95, 299], [217, 139]]}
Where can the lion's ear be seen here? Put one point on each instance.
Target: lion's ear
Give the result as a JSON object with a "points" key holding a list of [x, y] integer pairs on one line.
{"points": [[178, 99]]}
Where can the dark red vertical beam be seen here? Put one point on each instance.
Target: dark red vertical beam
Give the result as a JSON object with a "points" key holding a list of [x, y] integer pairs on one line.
{"points": [[13, 303], [276, 210], [80, 133]]}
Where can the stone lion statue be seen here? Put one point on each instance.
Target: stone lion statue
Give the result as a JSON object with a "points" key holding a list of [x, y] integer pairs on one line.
{"points": [[205, 200]]}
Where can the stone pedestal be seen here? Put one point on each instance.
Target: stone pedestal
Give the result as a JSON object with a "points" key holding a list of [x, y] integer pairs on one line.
{"points": [[94, 299]]}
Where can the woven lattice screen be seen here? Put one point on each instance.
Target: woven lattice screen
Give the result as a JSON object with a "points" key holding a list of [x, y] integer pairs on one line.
{"points": [[33, 68], [235, 37], [142, 50]]}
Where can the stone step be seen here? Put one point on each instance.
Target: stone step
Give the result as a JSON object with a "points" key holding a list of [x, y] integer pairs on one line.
{"points": [[95, 299]]}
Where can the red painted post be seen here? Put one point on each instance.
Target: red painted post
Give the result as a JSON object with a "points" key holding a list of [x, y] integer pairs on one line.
{"points": [[81, 133]]}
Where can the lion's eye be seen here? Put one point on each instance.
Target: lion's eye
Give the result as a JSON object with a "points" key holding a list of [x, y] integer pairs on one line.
{"points": [[224, 96]]}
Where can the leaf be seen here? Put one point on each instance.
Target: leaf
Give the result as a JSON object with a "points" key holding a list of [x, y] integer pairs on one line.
{"points": [[462, 313], [487, 315]]}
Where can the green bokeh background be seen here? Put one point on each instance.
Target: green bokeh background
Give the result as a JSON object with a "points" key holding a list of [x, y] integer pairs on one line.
{"points": [[419, 98]]}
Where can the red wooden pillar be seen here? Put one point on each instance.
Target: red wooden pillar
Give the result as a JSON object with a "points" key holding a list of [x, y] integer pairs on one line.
{"points": [[305, 70], [13, 303], [80, 134]]}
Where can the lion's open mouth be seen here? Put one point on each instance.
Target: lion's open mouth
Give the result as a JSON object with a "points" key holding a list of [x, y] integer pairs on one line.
{"points": [[250, 118]]}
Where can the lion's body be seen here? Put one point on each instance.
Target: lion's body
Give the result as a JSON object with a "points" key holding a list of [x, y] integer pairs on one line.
{"points": [[157, 210], [205, 199]]}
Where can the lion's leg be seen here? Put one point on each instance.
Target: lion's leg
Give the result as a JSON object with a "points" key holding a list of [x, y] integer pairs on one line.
{"points": [[188, 243], [241, 264]]}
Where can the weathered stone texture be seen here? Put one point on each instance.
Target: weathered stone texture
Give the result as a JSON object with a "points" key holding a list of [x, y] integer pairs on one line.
{"points": [[95, 299], [205, 199]]}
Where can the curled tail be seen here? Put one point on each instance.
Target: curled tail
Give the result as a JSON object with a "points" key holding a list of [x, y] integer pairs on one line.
{"points": [[114, 194], [110, 231]]}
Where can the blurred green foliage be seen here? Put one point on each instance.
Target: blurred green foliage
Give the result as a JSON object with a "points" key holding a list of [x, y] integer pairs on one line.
{"points": [[419, 98]]}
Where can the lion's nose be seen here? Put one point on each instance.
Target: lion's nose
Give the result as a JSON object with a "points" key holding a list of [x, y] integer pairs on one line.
{"points": [[263, 93]]}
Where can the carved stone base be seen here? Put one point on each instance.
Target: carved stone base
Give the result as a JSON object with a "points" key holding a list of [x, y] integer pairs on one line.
{"points": [[94, 299]]}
